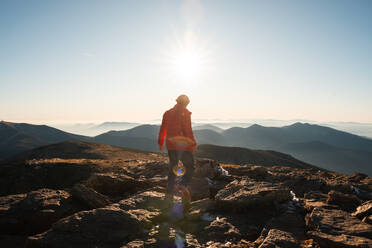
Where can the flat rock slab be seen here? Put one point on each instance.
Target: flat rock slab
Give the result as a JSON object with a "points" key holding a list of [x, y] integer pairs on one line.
{"points": [[340, 241], [103, 227], [363, 210], [247, 193], [337, 222]]}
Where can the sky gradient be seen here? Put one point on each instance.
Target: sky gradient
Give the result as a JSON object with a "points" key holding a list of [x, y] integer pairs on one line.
{"points": [[93, 61]]}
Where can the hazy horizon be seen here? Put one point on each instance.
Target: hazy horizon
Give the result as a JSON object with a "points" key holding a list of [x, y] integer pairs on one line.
{"points": [[86, 61], [94, 128]]}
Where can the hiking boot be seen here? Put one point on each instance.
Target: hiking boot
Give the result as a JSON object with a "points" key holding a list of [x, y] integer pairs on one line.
{"points": [[186, 198]]}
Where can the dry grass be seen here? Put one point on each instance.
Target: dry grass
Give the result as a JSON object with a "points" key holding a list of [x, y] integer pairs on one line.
{"points": [[230, 166], [62, 161], [103, 163]]}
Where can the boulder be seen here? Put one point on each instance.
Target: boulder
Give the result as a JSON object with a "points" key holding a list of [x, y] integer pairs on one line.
{"points": [[337, 222], [35, 211], [102, 227], [246, 193], [279, 238], [115, 184], [151, 200], [339, 241], [89, 197], [344, 201], [208, 168], [363, 210]]}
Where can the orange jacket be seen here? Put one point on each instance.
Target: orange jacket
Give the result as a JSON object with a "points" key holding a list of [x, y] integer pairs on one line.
{"points": [[176, 127]]}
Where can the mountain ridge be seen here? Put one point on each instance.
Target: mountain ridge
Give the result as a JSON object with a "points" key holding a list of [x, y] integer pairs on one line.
{"points": [[284, 139]]}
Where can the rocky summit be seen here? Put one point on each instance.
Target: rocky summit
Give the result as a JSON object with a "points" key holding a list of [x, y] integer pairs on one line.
{"points": [[78, 194]]}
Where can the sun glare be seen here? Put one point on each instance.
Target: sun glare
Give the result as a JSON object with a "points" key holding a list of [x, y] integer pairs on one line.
{"points": [[187, 58], [187, 63]]}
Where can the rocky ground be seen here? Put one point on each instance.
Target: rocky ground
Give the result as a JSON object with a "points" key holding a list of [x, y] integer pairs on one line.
{"points": [[78, 194]]}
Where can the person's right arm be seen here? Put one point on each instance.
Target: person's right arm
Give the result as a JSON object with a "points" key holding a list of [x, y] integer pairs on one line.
{"points": [[162, 132]]}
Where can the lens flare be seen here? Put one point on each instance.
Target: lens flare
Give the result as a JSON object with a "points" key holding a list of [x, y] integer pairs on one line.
{"points": [[179, 170]]}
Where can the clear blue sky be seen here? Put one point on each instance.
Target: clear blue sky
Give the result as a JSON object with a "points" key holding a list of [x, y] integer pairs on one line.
{"points": [[85, 60]]}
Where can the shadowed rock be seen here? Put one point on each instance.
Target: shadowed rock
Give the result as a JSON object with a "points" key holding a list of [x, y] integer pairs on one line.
{"points": [[337, 222], [35, 211], [340, 241], [89, 197], [344, 201], [278, 238], [103, 227], [199, 189]]}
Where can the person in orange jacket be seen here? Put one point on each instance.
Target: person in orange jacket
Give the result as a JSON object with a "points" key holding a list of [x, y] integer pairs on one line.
{"points": [[176, 130]]}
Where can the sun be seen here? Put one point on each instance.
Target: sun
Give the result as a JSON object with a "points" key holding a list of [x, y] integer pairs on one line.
{"points": [[187, 58], [187, 63]]}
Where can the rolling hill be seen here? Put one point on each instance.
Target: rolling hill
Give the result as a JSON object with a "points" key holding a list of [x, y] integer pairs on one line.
{"points": [[18, 137], [238, 155]]}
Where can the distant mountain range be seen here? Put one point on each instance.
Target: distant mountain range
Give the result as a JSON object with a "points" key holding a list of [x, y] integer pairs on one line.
{"points": [[317, 145]]}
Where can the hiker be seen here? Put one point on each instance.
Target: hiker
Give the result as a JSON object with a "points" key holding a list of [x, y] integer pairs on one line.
{"points": [[180, 141]]}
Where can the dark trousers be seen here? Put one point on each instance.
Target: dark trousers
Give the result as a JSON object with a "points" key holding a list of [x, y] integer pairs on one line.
{"points": [[188, 162]]}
